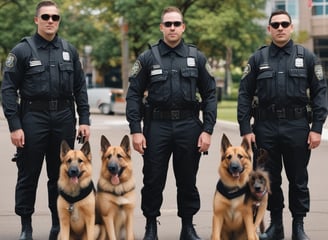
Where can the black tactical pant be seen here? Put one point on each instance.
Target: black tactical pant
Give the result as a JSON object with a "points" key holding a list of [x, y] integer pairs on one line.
{"points": [[179, 138], [286, 141], [44, 131]]}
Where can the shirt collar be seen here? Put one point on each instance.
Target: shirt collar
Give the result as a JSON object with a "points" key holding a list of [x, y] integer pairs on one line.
{"points": [[180, 49], [43, 43], [288, 48]]}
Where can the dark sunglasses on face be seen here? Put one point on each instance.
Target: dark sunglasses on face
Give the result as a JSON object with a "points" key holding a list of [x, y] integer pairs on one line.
{"points": [[46, 17], [169, 24], [276, 25]]}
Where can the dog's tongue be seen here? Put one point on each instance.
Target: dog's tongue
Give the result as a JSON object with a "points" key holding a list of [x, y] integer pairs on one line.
{"points": [[75, 180], [115, 180]]}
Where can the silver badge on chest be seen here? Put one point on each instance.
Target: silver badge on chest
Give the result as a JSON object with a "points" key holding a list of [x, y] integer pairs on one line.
{"points": [[66, 56], [299, 62], [191, 62]]}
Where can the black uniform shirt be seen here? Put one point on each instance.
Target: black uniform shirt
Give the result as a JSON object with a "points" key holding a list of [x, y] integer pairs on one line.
{"points": [[283, 81], [56, 75], [171, 84]]}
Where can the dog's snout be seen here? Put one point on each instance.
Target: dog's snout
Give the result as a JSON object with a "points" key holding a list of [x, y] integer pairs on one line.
{"points": [[235, 167], [73, 171], [113, 167]]}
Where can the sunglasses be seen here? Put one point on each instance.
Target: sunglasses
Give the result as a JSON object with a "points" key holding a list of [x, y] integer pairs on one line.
{"points": [[46, 17], [276, 25], [169, 24]]}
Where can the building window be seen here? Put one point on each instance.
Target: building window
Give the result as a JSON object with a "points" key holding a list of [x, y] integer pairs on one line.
{"points": [[319, 7]]}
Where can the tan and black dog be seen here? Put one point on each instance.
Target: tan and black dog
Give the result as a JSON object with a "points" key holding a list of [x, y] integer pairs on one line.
{"points": [[115, 200], [259, 188], [76, 200], [232, 220]]}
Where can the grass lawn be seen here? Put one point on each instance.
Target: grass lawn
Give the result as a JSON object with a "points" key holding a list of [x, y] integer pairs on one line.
{"points": [[227, 110]]}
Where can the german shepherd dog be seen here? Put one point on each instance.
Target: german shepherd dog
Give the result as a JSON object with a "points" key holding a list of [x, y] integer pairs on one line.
{"points": [[259, 188], [76, 200], [115, 200], [232, 220]]}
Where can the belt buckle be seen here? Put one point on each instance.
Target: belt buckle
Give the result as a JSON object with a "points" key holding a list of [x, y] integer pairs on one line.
{"points": [[53, 105], [175, 115], [281, 113]]}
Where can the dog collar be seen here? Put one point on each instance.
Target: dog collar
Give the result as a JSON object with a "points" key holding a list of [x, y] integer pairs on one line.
{"points": [[114, 191], [83, 193], [228, 192]]}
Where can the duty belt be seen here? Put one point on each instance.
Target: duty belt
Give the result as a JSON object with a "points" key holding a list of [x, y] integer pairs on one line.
{"points": [[171, 114], [48, 105], [290, 113]]}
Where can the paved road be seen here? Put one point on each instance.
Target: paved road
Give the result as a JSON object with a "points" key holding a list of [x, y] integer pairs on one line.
{"points": [[114, 127]]}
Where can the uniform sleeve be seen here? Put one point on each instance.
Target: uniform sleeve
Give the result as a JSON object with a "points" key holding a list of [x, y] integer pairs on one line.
{"points": [[207, 90], [12, 77], [318, 94], [80, 90], [137, 85], [245, 96]]}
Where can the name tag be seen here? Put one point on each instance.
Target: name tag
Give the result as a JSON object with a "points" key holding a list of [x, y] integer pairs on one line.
{"points": [[156, 72], [35, 63]]}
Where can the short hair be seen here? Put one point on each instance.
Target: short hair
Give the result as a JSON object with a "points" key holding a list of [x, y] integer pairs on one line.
{"points": [[44, 3], [279, 12], [171, 9]]}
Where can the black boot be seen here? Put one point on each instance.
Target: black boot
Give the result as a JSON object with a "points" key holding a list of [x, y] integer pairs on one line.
{"points": [[298, 230], [54, 232], [26, 233], [276, 229], [151, 229], [188, 231]]}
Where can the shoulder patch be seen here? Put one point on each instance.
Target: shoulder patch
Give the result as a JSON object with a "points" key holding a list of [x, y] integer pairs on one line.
{"points": [[11, 60], [246, 71], [135, 69], [318, 71], [209, 69]]}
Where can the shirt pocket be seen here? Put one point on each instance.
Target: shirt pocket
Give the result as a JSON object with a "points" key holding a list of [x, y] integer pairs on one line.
{"points": [[36, 81], [159, 88], [266, 86], [189, 83], [66, 77], [297, 83]]}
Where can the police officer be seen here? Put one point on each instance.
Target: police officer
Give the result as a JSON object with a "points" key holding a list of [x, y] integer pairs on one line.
{"points": [[285, 78], [171, 71], [45, 72]]}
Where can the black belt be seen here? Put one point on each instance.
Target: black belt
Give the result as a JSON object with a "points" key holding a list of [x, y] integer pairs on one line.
{"points": [[172, 114], [290, 113], [50, 105]]}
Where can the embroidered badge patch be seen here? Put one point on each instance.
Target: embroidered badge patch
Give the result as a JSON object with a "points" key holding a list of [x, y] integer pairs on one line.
{"points": [[318, 72], [11, 60], [209, 69], [135, 69], [246, 71]]}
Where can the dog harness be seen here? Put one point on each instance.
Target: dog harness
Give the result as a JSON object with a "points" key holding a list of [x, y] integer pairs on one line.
{"points": [[229, 192], [83, 193]]}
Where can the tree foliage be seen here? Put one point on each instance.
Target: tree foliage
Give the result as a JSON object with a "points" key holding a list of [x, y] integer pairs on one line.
{"points": [[226, 29]]}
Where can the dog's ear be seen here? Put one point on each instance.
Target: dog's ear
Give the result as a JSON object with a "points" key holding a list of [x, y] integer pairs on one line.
{"points": [[64, 148], [225, 143], [86, 149], [104, 143], [247, 146], [125, 144]]}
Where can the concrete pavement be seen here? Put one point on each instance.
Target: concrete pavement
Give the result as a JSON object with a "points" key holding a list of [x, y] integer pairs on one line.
{"points": [[114, 127]]}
